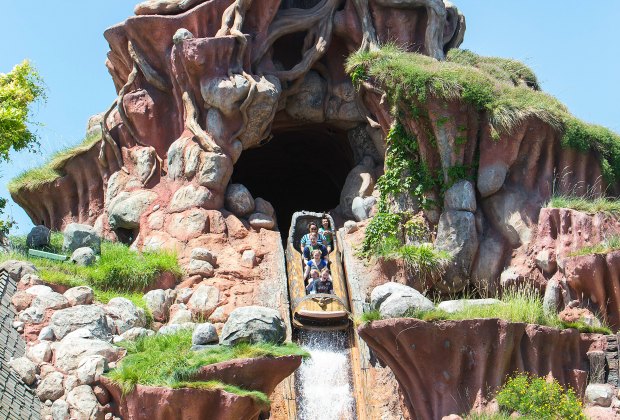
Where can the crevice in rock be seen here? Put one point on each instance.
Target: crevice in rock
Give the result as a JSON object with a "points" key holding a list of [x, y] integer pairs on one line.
{"points": [[299, 169]]}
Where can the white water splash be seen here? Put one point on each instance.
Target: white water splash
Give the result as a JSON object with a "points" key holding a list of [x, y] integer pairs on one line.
{"points": [[323, 381]]}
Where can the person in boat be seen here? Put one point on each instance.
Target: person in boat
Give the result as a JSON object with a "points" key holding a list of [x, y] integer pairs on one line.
{"points": [[313, 245], [327, 234], [316, 263], [323, 284], [305, 240]]}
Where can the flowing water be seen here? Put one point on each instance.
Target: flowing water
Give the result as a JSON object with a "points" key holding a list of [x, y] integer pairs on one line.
{"points": [[323, 382]]}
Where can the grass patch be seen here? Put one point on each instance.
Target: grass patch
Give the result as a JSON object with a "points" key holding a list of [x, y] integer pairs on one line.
{"points": [[585, 204], [516, 305], [505, 89], [259, 397], [608, 245], [419, 258], [166, 360], [52, 169], [536, 398]]}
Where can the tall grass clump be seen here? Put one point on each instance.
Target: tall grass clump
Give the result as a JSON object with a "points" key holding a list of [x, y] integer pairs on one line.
{"points": [[585, 204], [537, 398], [52, 169], [168, 361], [506, 90], [610, 244], [423, 259]]}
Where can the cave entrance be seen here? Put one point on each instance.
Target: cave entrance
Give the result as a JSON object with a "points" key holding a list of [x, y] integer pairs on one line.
{"points": [[300, 169]]}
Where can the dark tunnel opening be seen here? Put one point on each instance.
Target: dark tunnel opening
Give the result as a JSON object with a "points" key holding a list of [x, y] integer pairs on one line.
{"points": [[297, 170]]}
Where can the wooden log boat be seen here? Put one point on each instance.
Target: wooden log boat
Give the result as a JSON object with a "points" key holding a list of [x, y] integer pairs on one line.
{"points": [[317, 311]]}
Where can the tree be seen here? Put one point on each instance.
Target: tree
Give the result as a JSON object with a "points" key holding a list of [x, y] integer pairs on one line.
{"points": [[19, 89]]}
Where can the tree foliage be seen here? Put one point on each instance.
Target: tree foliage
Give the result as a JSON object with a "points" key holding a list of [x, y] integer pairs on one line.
{"points": [[19, 89]]}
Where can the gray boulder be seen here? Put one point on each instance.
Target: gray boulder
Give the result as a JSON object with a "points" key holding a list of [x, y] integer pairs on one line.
{"points": [[599, 394], [83, 403], [452, 306], [239, 200], [205, 334], [253, 324], [32, 315], [174, 328], [394, 300], [126, 208], [136, 333], [124, 314], [457, 235], [204, 300], [39, 290], [38, 237], [200, 268], [25, 369], [90, 368], [263, 206], [70, 351], [491, 178], [77, 236], [359, 209], [159, 302], [50, 387], [40, 352], [248, 258], [84, 256], [91, 317], [46, 334], [553, 297], [181, 315], [60, 410], [50, 300], [189, 197], [350, 226], [80, 295], [359, 183], [460, 196], [204, 254], [17, 269], [261, 221]]}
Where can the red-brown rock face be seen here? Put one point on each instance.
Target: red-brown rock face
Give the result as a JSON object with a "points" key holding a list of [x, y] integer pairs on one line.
{"points": [[448, 367]]}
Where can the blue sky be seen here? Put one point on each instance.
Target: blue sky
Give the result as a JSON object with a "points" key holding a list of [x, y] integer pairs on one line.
{"points": [[572, 50]]}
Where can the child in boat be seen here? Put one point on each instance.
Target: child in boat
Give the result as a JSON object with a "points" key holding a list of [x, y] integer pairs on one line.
{"points": [[316, 263], [322, 285], [314, 245], [327, 233], [314, 276]]}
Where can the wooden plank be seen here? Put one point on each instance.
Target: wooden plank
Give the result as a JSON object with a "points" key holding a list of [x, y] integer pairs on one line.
{"points": [[48, 255]]}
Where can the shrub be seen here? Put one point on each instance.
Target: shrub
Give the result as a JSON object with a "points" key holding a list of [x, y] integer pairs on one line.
{"points": [[585, 204], [536, 398], [372, 315], [167, 360]]}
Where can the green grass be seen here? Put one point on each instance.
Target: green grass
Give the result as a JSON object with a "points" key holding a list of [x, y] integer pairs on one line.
{"points": [[585, 204], [52, 169], [372, 315], [608, 245], [423, 259], [505, 89], [259, 397], [517, 305], [166, 360]]}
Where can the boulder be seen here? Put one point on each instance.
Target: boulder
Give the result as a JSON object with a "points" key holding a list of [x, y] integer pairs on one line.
{"points": [[124, 314], [307, 104], [205, 334], [71, 381], [239, 200], [17, 269], [84, 256], [188, 224], [50, 387], [126, 208], [359, 209], [50, 300], [263, 206], [179, 315], [216, 169], [225, 94], [136, 333], [547, 262], [350, 226], [599, 394], [32, 315], [39, 352], [261, 221], [60, 410], [184, 294], [21, 300], [38, 237], [394, 300], [491, 178], [91, 317], [90, 368], [553, 297], [84, 404], [70, 351], [200, 268], [47, 334], [204, 254], [359, 183], [25, 369], [80, 295], [174, 328], [457, 235], [460, 196], [188, 197], [260, 111], [204, 300], [158, 302], [39, 290], [77, 236], [452, 306], [253, 324], [248, 258]]}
